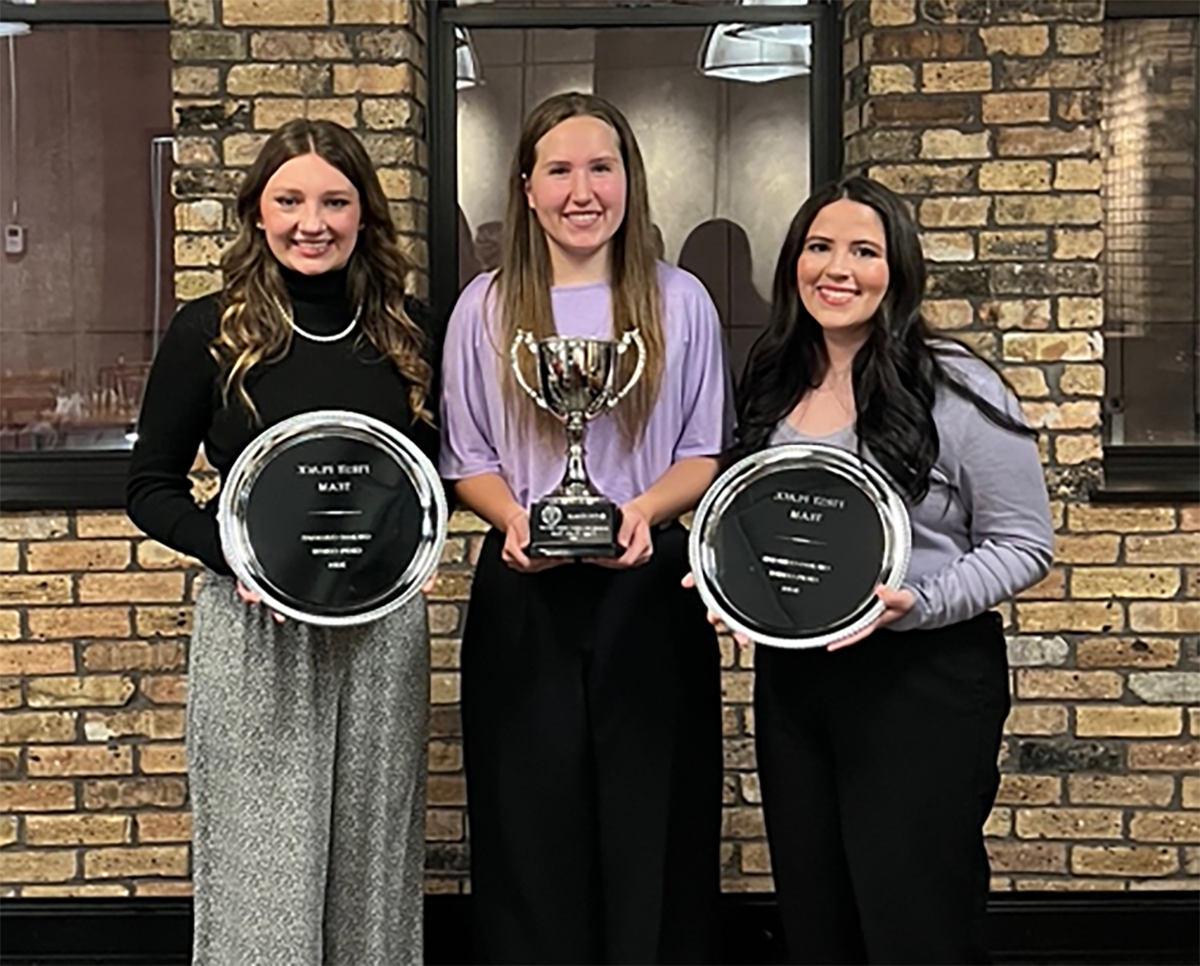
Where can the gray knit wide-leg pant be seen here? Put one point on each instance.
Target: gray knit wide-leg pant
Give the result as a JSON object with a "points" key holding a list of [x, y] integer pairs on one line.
{"points": [[306, 756]]}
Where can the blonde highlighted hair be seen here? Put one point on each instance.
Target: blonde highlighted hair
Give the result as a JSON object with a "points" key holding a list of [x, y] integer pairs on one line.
{"points": [[252, 331], [526, 275]]}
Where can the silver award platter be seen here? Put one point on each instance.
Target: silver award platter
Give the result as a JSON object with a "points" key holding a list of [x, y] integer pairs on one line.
{"points": [[789, 545], [332, 518]]}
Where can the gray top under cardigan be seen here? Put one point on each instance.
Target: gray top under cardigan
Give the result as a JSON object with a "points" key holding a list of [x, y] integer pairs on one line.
{"points": [[983, 533]]}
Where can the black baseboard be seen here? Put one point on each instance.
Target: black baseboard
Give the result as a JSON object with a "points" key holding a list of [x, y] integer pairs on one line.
{"points": [[1117, 929]]}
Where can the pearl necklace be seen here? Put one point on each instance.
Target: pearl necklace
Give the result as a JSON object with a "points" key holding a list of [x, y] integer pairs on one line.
{"points": [[291, 320]]}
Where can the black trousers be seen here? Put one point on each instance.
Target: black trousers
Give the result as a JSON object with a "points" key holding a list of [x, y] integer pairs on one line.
{"points": [[592, 740], [878, 770]]}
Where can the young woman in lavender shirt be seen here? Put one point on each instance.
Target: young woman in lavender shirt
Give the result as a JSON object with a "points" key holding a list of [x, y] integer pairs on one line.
{"points": [[591, 692], [877, 756]]}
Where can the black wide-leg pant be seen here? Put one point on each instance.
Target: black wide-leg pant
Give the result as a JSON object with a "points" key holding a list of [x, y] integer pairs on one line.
{"points": [[878, 770], [592, 739]]}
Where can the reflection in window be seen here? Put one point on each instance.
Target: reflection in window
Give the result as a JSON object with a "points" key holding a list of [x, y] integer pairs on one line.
{"points": [[1152, 252], [77, 301], [727, 160]]}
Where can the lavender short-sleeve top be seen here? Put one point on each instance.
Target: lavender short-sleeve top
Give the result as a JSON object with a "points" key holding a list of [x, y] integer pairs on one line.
{"points": [[693, 415]]}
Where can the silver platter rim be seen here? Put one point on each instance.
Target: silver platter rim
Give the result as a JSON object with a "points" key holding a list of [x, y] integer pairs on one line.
{"points": [[893, 513], [235, 492]]}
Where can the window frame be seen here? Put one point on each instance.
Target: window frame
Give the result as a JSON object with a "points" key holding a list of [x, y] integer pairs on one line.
{"points": [[72, 479], [1140, 472], [825, 156]]}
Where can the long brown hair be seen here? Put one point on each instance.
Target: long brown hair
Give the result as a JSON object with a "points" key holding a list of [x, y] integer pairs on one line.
{"points": [[253, 333], [526, 276]]}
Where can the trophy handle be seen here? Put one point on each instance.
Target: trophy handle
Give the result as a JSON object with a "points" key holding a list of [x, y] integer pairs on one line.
{"points": [[526, 339], [632, 337]]}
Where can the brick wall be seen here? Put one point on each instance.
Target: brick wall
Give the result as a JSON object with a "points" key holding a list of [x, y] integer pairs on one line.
{"points": [[985, 115]]}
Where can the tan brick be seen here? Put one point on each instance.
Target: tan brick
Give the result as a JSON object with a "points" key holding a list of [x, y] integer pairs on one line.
{"points": [[1164, 756], [1020, 107], [1024, 41], [37, 659], [166, 887], [19, 589], [134, 656], [164, 827], [165, 860], [32, 526], [1025, 245], [163, 621], [162, 759], [755, 858], [35, 796], [956, 77], [8, 830], [10, 558], [90, 891], [134, 793], [10, 693], [1008, 314], [299, 79], [1173, 548], [447, 790], [954, 212], [270, 112], [303, 45], [1094, 549], [1123, 860], [1119, 519], [1120, 789], [52, 760], [1126, 652], [948, 246], [998, 823], [949, 144], [10, 625], [199, 250], [919, 179], [1189, 518], [444, 654], [164, 688], [1037, 617], [1051, 587], [1052, 210], [75, 692], [1164, 827], [1042, 141], [1074, 39], [892, 13], [294, 13], [207, 214], [1027, 856], [1078, 175], [1080, 313], [1069, 244], [1189, 792], [1165, 618], [1073, 450], [389, 114], [155, 723], [105, 523], [76, 829], [195, 81], [37, 866], [1082, 380], [1127, 722], [1069, 885], [1068, 823], [398, 12], [452, 585], [1036, 719], [1036, 683], [890, 79], [373, 79], [1052, 346], [742, 823], [1028, 382], [25, 727], [53, 622], [1068, 415], [132, 587], [1125, 582], [1029, 790], [152, 555]]}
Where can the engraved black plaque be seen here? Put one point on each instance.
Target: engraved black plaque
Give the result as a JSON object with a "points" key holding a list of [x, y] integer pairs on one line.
{"points": [[333, 518], [789, 544]]}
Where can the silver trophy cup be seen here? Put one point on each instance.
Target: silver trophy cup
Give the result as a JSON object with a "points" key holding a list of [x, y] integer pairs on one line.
{"points": [[576, 382]]}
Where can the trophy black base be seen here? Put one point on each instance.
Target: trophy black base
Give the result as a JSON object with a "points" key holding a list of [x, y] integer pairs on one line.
{"points": [[561, 527]]}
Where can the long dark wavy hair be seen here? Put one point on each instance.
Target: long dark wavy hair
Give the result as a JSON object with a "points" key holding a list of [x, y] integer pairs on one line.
{"points": [[895, 374], [252, 332]]}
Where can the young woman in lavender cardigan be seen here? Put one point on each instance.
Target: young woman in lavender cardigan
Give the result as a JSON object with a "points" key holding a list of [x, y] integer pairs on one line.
{"points": [[877, 755]]}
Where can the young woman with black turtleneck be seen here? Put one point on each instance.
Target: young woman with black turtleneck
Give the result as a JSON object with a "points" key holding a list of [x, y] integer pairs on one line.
{"points": [[306, 744]]}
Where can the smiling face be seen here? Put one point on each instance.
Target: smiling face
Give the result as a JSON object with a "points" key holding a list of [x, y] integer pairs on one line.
{"points": [[578, 191], [310, 214], [842, 273]]}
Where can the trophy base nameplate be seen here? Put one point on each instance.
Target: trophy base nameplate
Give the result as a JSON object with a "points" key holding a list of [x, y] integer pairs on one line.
{"points": [[574, 528]]}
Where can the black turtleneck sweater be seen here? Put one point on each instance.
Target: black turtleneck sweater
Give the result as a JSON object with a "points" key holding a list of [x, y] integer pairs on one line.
{"points": [[182, 406]]}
